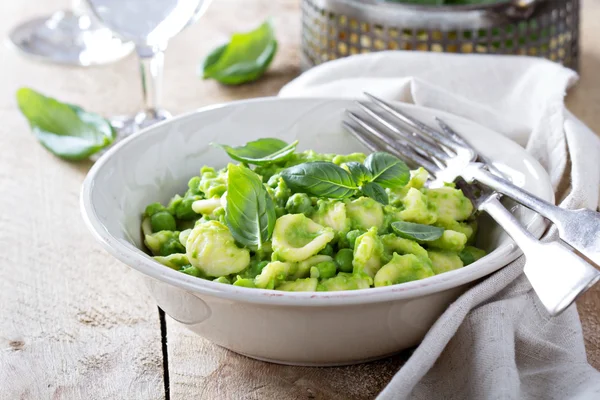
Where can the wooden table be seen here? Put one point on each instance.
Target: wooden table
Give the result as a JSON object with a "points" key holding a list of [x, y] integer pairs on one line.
{"points": [[75, 323]]}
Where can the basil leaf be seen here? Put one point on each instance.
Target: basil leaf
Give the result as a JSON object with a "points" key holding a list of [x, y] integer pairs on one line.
{"points": [[389, 171], [212, 58], [244, 59], [466, 257], [423, 233], [376, 192], [359, 172], [250, 212], [261, 151], [64, 129], [320, 178]]}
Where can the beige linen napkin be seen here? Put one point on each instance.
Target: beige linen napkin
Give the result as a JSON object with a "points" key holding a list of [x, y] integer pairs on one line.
{"points": [[496, 341]]}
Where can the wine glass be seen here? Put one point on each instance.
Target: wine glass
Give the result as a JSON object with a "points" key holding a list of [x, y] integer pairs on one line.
{"points": [[69, 37], [149, 24]]}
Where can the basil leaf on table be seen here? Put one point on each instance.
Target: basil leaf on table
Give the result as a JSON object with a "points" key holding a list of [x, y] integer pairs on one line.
{"points": [[64, 129], [261, 151], [321, 179], [387, 170], [244, 59], [376, 192], [423, 233], [359, 172], [250, 212]]}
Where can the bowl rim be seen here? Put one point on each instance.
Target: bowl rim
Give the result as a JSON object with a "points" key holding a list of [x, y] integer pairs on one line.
{"points": [[144, 264]]}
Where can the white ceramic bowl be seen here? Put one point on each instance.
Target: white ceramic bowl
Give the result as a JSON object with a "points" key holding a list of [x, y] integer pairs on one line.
{"points": [[321, 328]]}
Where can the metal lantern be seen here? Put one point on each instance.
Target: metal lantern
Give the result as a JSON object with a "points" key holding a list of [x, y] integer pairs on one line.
{"points": [[333, 29]]}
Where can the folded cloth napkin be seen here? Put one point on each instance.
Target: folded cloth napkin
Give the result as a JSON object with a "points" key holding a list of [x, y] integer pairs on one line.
{"points": [[496, 341]]}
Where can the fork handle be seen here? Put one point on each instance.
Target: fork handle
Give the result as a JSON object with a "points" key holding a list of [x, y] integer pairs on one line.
{"points": [[579, 228], [555, 272]]}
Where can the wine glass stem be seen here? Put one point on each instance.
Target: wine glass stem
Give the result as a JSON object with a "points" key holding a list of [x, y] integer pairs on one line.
{"points": [[151, 69]]}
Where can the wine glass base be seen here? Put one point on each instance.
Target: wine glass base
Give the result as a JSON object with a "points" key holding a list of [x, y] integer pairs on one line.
{"points": [[126, 125], [66, 38], [144, 119]]}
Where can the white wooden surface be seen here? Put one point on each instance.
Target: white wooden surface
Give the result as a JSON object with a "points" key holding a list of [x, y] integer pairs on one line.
{"points": [[200, 370], [76, 324], [73, 322]]}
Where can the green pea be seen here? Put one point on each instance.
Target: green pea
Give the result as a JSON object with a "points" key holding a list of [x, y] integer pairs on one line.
{"points": [[171, 247], [174, 203], [327, 269], [299, 203], [183, 210], [164, 243], [327, 250], [193, 185], [153, 209], [352, 235], [163, 221], [344, 260]]}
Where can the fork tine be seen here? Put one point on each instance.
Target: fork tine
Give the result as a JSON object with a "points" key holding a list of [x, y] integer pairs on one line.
{"points": [[392, 145], [446, 129], [398, 144], [369, 142], [414, 123], [389, 141], [438, 162], [451, 133], [440, 166], [369, 135], [416, 140], [364, 140]]}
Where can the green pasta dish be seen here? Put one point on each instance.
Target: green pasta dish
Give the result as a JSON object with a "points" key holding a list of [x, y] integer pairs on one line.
{"points": [[278, 218]]}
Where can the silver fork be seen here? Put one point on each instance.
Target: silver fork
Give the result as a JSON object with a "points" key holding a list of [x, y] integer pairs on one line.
{"points": [[556, 273], [578, 228]]}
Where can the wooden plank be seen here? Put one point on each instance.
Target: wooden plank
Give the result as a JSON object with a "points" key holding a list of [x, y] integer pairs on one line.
{"points": [[74, 323], [201, 370]]}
